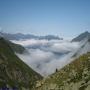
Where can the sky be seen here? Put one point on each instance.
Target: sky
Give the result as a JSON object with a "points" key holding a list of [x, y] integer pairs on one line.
{"points": [[66, 18]]}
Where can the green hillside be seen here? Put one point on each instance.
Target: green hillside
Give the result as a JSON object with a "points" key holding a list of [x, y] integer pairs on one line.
{"points": [[14, 72], [75, 76]]}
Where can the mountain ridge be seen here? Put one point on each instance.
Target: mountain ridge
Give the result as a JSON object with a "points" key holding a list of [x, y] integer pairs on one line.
{"points": [[81, 37], [19, 36]]}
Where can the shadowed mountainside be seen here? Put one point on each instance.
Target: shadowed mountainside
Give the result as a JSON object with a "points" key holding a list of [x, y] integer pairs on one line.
{"points": [[13, 71], [81, 37]]}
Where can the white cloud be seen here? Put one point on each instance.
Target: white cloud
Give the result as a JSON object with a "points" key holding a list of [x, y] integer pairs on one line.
{"points": [[43, 59], [31, 42]]}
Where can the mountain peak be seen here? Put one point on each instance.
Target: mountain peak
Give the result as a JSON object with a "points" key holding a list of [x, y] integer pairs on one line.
{"points": [[86, 32], [82, 36]]}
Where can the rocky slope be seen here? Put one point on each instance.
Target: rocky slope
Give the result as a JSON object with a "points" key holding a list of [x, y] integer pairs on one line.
{"points": [[74, 76], [14, 72], [81, 37]]}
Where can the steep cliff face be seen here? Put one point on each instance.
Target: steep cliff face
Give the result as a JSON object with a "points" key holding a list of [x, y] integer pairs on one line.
{"points": [[74, 76], [14, 72]]}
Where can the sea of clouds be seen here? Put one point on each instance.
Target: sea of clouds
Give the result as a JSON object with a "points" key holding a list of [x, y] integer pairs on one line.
{"points": [[45, 56]]}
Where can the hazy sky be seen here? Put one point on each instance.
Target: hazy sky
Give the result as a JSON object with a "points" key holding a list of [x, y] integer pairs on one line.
{"points": [[65, 18]]}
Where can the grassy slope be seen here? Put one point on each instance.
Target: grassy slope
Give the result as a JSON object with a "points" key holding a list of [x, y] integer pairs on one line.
{"points": [[75, 76], [14, 72]]}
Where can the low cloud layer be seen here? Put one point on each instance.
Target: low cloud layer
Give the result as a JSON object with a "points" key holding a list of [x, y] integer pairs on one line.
{"points": [[45, 56]]}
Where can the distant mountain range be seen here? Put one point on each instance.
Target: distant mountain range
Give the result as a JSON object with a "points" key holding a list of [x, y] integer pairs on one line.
{"points": [[19, 36]]}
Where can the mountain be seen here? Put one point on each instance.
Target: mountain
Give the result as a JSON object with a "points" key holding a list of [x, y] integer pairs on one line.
{"points": [[14, 73], [19, 36], [81, 37], [74, 76], [16, 47], [84, 48]]}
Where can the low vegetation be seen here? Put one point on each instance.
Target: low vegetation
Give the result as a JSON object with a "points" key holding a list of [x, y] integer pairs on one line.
{"points": [[14, 72], [74, 76]]}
